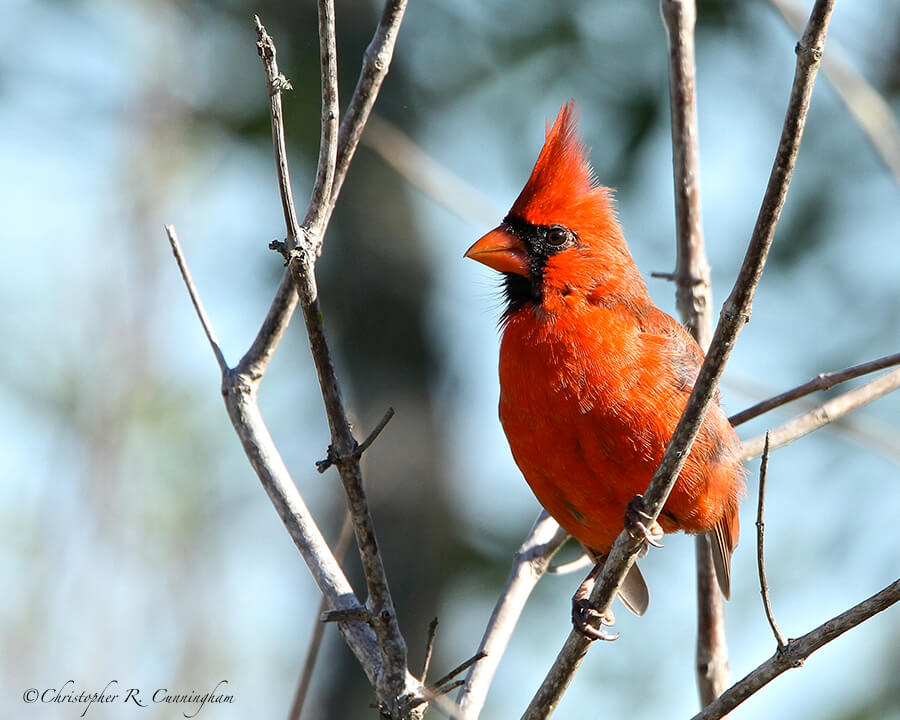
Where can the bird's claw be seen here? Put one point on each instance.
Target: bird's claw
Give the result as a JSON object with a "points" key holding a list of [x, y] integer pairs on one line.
{"points": [[635, 514], [587, 620]]}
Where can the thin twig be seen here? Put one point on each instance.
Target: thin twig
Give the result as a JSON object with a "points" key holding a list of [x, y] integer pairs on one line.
{"points": [[366, 444], [376, 63], [734, 315], [195, 298], [447, 689], [315, 642], [375, 66], [461, 668], [275, 84], [693, 295], [760, 549], [871, 111], [582, 562], [822, 381], [529, 564], [826, 413], [334, 459], [796, 651], [320, 199], [429, 648]]}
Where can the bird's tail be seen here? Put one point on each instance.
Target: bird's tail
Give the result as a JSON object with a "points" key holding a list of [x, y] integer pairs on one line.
{"points": [[723, 540]]}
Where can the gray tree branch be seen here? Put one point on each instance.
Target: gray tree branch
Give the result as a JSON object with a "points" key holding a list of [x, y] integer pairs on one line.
{"points": [[822, 381], [826, 413], [529, 564], [694, 301], [376, 642], [760, 549], [796, 651], [868, 108], [301, 250]]}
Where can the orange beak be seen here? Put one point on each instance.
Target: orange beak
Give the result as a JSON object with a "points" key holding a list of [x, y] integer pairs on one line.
{"points": [[501, 250]]}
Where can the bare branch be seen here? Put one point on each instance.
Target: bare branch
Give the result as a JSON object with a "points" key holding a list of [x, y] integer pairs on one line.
{"points": [[275, 83], [734, 315], [760, 550], [693, 296], [375, 67], [796, 651], [461, 668], [195, 298], [392, 678], [239, 392], [243, 409], [376, 63], [315, 642], [429, 648], [529, 564], [871, 111], [582, 562], [334, 459], [822, 381], [826, 413], [319, 202]]}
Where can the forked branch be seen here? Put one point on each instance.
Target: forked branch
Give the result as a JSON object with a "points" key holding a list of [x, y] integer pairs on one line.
{"points": [[377, 644], [826, 413]]}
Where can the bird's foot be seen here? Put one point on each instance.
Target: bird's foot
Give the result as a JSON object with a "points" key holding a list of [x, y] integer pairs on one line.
{"points": [[587, 619], [636, 517]]}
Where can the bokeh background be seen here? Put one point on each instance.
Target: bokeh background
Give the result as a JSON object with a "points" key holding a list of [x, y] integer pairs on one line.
{"points": [[136, 543]]}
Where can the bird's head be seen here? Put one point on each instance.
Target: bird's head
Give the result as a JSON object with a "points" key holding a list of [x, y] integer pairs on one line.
{"points": [[561, 232]]}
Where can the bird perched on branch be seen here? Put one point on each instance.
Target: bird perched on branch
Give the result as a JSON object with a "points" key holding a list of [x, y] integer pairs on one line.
{"points": [[594, 377]]}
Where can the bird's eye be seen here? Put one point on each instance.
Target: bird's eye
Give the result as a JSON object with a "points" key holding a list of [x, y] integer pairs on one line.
{"points": [[557, 235]]}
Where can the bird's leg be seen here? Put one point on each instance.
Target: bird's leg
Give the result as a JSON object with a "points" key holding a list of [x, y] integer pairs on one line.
{"points": [[587, 618], [635, 517]]}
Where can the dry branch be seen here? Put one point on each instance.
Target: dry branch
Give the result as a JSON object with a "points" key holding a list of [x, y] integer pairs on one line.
{"points": [[315, 642], [376, 62], [378, 645], [734, 315], [694, 301], [796, 651], [529, 564], [760, 549], [195, 298], [868, 108], [826, 413], [822, 381], [303, 247]]}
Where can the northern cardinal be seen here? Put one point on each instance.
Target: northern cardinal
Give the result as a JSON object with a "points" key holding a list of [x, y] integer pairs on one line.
{"points": [[593, 376]]}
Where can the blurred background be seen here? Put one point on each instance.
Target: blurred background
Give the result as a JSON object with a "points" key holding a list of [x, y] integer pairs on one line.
{"points": [[136, 543]]}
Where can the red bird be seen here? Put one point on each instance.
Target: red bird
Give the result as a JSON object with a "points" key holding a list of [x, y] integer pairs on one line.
{"points": [[593, 376]]}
